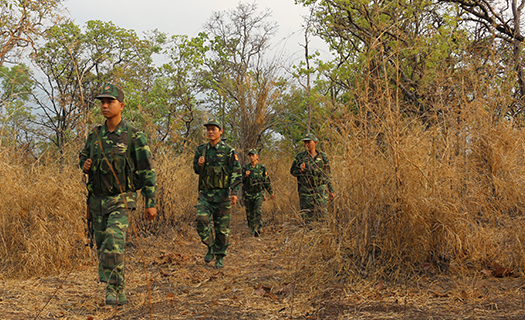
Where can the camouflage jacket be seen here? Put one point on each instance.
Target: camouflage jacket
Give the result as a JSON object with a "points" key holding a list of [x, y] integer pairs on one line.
{"points": [[224, 161], [114, 169], [258, 179], [317, 175]]}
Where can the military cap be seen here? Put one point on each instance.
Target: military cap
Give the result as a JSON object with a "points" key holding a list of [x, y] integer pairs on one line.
{"points": [[310, 136], [113, 92], [213, 122], [252, 151]]}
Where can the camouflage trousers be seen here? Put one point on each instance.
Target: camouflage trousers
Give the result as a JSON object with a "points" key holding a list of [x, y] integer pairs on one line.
{"points": [[220, 213], [110, 223], [253, 204], [314, 206]]}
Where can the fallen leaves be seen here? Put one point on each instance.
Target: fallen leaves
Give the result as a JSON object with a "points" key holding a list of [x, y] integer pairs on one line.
{"points": [[273, 292], [426, 266], [498, 271], [502, 272], [380, 285], [170, 258]]}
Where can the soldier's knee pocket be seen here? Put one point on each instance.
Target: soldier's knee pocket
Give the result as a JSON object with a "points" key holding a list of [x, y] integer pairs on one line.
{"points": [[111, 258], [202, 219]]}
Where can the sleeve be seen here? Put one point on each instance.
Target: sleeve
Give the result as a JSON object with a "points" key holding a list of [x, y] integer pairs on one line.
{"points": [[145, 169], [236, 172], [267, 182], [328, 174], [244, 178], [84, 154], [295, 170], [196, 167]]}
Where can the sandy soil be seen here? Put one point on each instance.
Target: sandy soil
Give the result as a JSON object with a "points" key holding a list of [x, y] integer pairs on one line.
{"points": [[253, 285]]}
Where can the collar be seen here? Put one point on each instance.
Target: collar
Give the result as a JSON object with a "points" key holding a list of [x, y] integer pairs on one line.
{"points": [[118, 130], [220, 143]]}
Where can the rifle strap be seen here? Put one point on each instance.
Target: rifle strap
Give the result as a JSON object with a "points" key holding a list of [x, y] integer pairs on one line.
{"points": [[130, 133], [94, 139], [201, 172]]}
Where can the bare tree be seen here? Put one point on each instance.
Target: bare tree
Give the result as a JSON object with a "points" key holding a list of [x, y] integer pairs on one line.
{"points": [[245, 83], [502, 20], [21, 22]]}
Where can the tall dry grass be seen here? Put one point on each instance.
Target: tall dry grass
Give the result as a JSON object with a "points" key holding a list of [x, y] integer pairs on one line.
{"points": [[176, 195], [41, 216], [407, 195]]}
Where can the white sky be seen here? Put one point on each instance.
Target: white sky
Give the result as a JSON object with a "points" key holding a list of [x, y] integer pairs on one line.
{"points": [[187, 17]]}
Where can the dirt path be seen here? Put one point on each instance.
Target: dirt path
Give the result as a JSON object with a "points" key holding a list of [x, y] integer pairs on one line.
{"points": [[253, 285], [182, 286]]}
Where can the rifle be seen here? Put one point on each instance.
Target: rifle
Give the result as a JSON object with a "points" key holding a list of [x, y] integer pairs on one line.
{"points": [[89, 221]]}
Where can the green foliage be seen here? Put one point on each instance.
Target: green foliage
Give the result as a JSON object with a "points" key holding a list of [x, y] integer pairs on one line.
{"points": [[15, 84], [403, 48], [21, 23], [78, 63], [16, 88], [174, 99]]}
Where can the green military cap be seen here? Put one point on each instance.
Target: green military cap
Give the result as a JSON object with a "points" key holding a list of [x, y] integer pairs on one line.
{"points": [[310, 136], [252, 151], [213, 122], [113, 92]]}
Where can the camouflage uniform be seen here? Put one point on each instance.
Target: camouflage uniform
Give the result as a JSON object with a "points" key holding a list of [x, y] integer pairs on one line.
{"points": [[219, 178], [313, 184], [114, 176], [254, 186]]}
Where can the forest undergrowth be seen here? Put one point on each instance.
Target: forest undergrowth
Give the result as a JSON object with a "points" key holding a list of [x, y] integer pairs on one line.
{"points": [[410, 202]]}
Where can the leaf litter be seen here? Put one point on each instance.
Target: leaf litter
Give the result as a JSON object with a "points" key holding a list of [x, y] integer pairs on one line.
{"points": [[258, 282]]}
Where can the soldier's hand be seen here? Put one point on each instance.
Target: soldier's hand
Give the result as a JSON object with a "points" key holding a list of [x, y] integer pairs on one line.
{"points": [[331, 195], [87, 165], [248, 173], [302, 166], [272, 196], [201, 161], [233, 200], [150, 213]]}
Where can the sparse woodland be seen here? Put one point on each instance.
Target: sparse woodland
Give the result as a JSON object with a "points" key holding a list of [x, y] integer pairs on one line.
{"points": [[420, 109]]}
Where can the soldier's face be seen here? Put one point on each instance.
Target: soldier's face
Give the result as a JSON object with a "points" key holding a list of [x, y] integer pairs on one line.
{"points": [[213, 133], [110, 107], [309, 145], [253, 157]]}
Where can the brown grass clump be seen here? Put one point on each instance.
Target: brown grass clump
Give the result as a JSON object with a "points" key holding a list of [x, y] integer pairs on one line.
{"points": [[41, 210], [410, 200], [413, 200], [176, 194]]}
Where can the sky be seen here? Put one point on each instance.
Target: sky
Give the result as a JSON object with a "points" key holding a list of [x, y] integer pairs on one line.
{"points": [[187, 17]]}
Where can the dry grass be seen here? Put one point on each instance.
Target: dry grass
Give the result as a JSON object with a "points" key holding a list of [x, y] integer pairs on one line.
{"points": [[410, 199], [41, 217], [412, 204], [444, 196], [255, 284]]}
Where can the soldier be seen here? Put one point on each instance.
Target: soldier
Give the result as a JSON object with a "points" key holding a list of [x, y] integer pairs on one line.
{"points": [[219, 172], [313, 180], [117, 159], [255, 184]]}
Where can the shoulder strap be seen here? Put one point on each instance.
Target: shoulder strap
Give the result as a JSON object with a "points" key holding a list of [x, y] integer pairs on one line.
{"points": [[94, 139], [130, 133], [204, 152], [201, 172]]}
